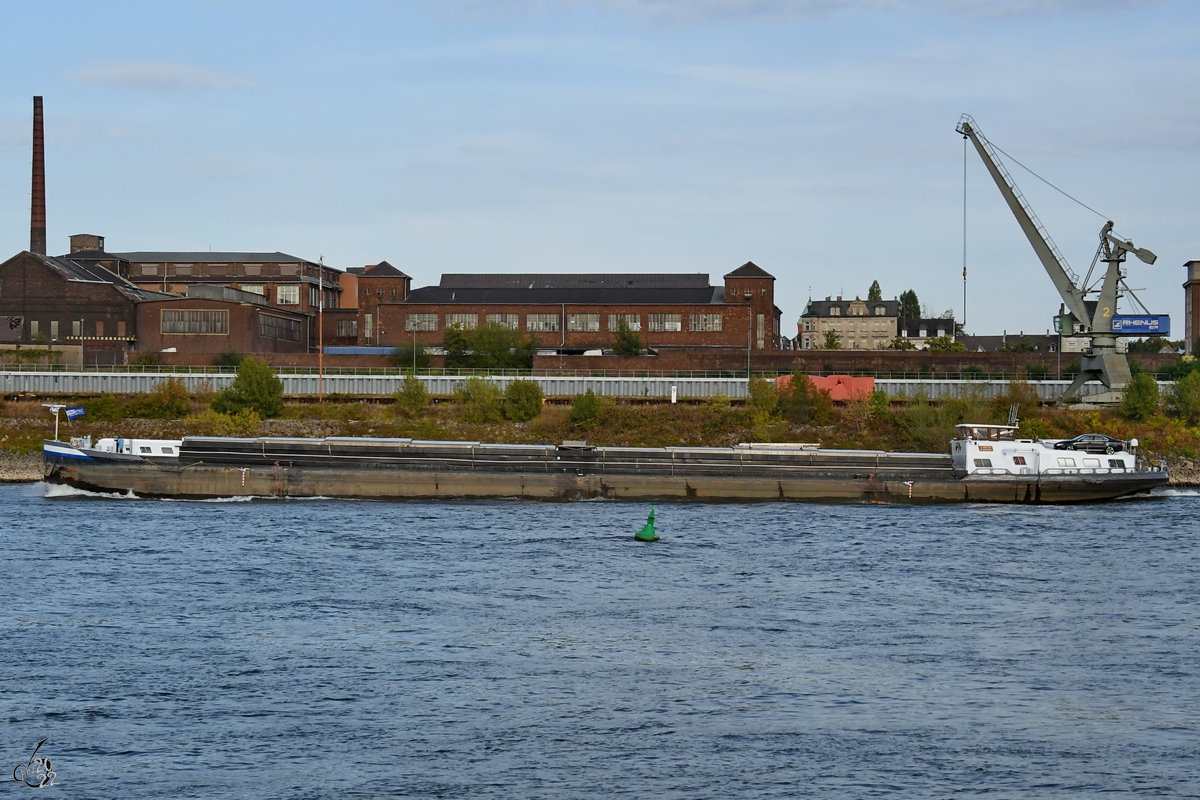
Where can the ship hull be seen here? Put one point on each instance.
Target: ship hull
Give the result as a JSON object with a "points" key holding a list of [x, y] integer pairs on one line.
{"points": [[314, 468]]}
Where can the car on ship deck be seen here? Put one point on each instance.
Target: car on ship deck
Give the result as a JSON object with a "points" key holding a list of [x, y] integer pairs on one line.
{"points": [[1094, 443]]}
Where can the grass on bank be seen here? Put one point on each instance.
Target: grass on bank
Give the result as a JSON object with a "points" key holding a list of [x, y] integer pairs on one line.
{"points": [[521, 416]]}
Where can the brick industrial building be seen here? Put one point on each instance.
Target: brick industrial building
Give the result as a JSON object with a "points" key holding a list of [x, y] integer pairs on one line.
{"points": [[577, 313]]}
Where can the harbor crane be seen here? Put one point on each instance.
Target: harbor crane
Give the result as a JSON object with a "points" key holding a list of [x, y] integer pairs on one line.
{"points": [[1090, 318]]}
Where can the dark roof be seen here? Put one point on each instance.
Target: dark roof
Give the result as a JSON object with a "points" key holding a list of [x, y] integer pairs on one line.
{"points": [[382, 270], [152, 257], [750, 270], [575, 296], [84, 272], [932, 326], [527, 281], [821, 308]]}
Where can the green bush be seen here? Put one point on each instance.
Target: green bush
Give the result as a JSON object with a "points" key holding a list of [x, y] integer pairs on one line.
{"points": [[585, 409], [763, 401], [803, 403], [880, 402], [1184, 398], [105, 408], [491, 347], [972, 372], [404, 358], [256, 388], [1037, 372], [170, 399], [481, 400], [412, 396], [229, 358], [522, 400], [1140, 398]]}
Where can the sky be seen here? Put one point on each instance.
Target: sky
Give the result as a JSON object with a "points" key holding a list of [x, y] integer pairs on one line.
{"points": [[813, 137]]}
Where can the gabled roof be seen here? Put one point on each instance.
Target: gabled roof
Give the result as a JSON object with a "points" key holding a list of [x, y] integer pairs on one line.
{"points": [[151, 257], [382, 270], [931, 327], [533, 281], [750, 270]]}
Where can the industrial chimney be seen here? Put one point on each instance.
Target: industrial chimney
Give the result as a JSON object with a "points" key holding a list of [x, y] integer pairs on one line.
{"points": [[37, 215]]}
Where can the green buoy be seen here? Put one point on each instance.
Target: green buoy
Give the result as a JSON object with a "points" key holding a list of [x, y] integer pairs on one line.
{"points": [[647, 534]]}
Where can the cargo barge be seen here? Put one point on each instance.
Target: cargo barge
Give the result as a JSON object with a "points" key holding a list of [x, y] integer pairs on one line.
{"points": [[987, 463]]}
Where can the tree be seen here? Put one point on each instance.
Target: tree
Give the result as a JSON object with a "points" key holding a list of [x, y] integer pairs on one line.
{"points": [[493, 346], [910, 306], [832, 341], [874, 293], [168, 400], [803, 403], [1022, 345], [481, 400], [585, 409], [626, 341], [1151, 344], [412, 396], [763, 400], [522, 400], [403, 357], [256, 388], [229, 358], [1184, 398], [944, 344], [901, 343], [1140, 398]]}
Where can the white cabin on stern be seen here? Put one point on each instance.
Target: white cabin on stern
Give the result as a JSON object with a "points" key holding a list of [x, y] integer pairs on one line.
{"points": [[996, 450]]}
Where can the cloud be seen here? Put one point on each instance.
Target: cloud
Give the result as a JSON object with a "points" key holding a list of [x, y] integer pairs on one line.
{"points": [[717, 10], [148, 76]]}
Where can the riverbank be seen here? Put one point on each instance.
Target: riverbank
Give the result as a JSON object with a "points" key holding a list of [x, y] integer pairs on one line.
{"points": [[20, 467]]}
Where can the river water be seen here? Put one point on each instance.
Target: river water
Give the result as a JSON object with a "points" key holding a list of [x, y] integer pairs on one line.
{"points": [[510, 649]]}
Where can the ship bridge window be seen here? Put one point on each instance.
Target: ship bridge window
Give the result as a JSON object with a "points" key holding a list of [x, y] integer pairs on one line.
{"points": [[983, 462], [168, 451], [1116, 463], [1066, 462], [1091, 462], [1018, 459], [144, 450]]}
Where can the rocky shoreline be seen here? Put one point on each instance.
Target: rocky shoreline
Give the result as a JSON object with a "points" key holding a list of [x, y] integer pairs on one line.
{"points": [[20, 467]]}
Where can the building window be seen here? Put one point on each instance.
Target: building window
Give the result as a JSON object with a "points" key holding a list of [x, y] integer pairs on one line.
{"points": [[273, 327], [53, 330], [922, 333], [289, 269], [465, 321], [706, 322], [121, 329], [634, 321], [510, 321], [665, 322], [209, 322], [183, 269], [288, 295], [880, 311], [76, 327], [253, 269], [541, 322], [99, 329], [583, 322], [33, 329], [313, 297], [762, 331], [413, 322], [254, 288], [835, 312], [367, 325], [149, 269], [347, 328]]}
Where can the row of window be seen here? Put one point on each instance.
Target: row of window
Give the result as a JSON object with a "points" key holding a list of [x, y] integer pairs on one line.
{"points": [[219, 269], [217, 322], [1063, 461], [36, 330], [858, 311], [538, 323]]}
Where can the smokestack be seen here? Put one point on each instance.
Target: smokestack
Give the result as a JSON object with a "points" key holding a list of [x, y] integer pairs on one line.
{"points": [[37, 215]]}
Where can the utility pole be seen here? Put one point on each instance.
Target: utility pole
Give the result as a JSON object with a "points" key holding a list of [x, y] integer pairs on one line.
{"points": [[321, 330]]}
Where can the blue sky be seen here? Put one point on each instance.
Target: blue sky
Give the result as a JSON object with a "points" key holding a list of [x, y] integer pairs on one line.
{"points": [[814, 137]]}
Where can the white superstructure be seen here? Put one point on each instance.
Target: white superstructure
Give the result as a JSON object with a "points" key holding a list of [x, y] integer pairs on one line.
{"points": [[996, 450]]}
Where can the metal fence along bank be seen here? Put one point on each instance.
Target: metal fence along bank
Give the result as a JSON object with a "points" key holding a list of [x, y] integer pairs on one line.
{"points": [[74, 384]]}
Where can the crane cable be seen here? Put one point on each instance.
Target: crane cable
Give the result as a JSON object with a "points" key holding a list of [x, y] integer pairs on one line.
{"points": [[1048, 183]]}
